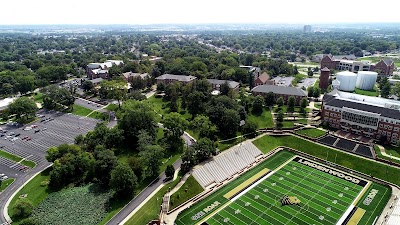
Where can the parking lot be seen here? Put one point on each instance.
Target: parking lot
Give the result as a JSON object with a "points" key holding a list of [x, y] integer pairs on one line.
{"points": [[32, 141]]}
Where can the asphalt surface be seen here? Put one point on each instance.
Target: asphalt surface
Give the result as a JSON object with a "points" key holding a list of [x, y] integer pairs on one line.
{"points": [[134, 203], [53, 129]]}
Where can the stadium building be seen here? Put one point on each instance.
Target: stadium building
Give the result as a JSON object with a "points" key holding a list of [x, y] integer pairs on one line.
{"points": [[362, 115]]}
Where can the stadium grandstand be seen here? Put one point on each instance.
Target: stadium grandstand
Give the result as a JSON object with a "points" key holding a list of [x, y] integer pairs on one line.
{"points": [[227, 164]]}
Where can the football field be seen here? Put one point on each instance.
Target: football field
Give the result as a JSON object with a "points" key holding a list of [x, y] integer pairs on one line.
{"points": [[289, 189], [324, 199]]}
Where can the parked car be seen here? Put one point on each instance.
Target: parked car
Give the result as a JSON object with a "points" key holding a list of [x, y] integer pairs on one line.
{"points": [[3, 178], [27, 128], [17, 134], [37, 130]]}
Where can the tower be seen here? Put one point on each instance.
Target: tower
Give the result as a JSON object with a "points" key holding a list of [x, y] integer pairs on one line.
{"points": [[324, 78]]}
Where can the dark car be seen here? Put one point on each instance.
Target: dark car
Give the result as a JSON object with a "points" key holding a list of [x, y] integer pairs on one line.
{"points": [[17, 134], [37, 131]]}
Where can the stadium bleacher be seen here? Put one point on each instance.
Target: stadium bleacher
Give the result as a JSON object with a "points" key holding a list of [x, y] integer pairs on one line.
{"points": [[365, 151], [394, 217], [328, 139], [346, 144], [228, 163]]}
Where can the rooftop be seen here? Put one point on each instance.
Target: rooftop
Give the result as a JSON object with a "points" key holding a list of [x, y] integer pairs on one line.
{"points": [[385, 107], [282, 90], [231, 84], [175, 77]]}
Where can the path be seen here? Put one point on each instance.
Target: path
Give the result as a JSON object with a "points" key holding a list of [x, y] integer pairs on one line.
{"points": [[382, 149]]}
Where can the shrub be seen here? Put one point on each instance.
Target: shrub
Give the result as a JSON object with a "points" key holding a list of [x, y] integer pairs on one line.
{"points": [[23, 207]]}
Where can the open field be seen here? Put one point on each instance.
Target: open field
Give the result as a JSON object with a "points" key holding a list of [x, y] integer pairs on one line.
{"points": [[375, 169], [312, 132], [188, 190], [296, 193], [82, 111], [262, 120]]}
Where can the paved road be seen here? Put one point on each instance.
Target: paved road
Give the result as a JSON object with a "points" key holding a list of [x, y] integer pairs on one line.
{"points": [[14, 186], [118, 218]]}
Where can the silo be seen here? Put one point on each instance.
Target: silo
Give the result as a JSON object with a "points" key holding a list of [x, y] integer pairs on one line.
{"points": [[366, 80], [347, 80]]}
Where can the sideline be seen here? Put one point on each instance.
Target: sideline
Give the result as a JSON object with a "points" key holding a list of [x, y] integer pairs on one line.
{"points": [[5, 210]]}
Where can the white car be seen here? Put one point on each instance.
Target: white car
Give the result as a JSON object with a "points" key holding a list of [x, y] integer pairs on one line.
{"points": [[3, 178], [27, 128]]}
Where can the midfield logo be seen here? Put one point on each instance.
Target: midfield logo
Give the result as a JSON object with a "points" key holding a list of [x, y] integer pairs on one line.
{"points": [[290, 200]]}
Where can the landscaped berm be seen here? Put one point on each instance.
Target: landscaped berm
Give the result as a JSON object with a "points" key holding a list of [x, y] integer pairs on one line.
{"points": [[290, 189]]}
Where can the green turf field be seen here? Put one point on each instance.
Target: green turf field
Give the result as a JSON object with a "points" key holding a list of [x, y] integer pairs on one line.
{"points": [[324, 198]]}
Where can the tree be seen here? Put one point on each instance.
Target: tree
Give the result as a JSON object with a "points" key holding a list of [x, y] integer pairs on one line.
{"points": [[270, 99], [196, 103], [134, 117], [310, 73], [114, 89], [137, 83], [291, 103], [160, 87], [136, 95], [25, 84], [279, 116], [258, 104], [123, 181], [87, 86], [151, 157], [23, 207], [279, 102], [105, 163], [316, 92], [250, 127], [55, 97], [310, 91], [204, 126], [396, 89], [24, 108], [303, 104], [136, 165], [175, 124], [224, 88], [170, 171], [384, 86], [115, 71], [204, 148]]}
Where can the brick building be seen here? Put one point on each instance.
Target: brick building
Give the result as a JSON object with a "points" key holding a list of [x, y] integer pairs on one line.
{"points": [[324, 78], [280, 91], [342, 63], [216, 84], [367, 116], [262, 79]]}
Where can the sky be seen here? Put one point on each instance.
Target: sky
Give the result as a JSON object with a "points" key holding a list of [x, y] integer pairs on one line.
{"points": [[196, 11]]}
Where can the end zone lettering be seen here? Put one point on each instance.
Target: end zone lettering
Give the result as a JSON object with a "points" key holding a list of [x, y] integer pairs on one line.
{"points": [[370, 197], [206, 210], [328, 170]]}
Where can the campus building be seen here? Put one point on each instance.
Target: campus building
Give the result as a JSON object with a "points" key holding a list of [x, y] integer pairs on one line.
{"points": [[343, 63], [171, 78], [262, 79], [216, 84], [100, 70], [280, 91], [367, 116]]}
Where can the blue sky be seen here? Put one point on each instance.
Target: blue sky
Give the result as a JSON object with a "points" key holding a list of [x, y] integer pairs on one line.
{"points": [[191, 11]]}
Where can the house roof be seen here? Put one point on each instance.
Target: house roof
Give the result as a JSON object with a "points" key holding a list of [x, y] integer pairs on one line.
{"points": [[231, 84], [325, 69], [282, 90], [264, 77], [182, 78], [388, 62], [384, 107]]}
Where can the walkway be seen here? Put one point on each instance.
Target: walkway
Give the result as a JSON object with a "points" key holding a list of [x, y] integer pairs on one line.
{"points": [[382, 149]]}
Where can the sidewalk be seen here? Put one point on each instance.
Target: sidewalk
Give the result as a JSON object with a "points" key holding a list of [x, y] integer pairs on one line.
{"points": [[382, 149]]}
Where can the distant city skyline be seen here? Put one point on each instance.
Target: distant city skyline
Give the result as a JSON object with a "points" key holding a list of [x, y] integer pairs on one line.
{"points": [[25, 12]]}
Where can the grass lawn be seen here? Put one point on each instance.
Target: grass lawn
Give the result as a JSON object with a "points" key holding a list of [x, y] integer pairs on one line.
{"points": [[312, 132], [151, 209], [188, 190], [392, 150], [379, 154], [80, 110], [161, 106], [6, 183], [284, 108], [317, 105], [290, 123], [222, 146], [38, 97], [375, 169], [262, 120], [16, 158], [112, 107], [374, 92], [35, 191]]}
